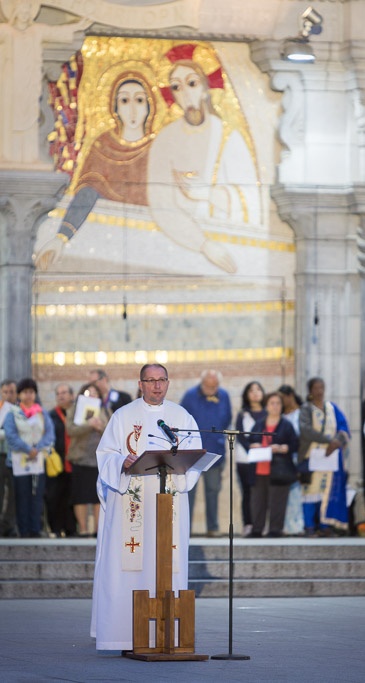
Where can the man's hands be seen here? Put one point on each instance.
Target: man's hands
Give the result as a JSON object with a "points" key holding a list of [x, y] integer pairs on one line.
{"points": [[218, 255], [194, 189], [130, 459], [49, 253], [332, 446]]}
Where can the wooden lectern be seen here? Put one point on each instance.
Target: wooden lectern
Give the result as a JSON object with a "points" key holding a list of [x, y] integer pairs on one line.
{"points": [[165, 608]]}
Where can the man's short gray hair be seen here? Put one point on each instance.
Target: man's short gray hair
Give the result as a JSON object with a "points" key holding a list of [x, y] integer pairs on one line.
{"points": [[213, 373]]}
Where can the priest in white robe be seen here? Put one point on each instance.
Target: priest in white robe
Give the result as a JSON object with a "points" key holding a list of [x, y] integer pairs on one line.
{"points": [[126, 546]]}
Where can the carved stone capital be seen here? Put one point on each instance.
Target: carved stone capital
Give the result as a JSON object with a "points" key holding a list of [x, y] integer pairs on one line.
{"points": [[26, 197], [266, 55], [359, 198], [299, 204]]}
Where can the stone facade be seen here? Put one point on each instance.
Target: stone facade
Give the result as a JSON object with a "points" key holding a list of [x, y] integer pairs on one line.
{"points": [[317, 190]]}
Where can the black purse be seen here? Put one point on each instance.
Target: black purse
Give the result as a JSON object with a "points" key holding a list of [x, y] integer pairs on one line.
{"points": [[283, 471], [304, 473]]}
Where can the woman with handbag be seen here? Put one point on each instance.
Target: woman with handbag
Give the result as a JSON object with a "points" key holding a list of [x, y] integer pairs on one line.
{"points": [[30, 433], [251, 411], [273, 479], [322, 424], [294, 518]]}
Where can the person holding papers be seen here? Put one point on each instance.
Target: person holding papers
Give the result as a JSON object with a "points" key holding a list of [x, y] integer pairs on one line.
{"points": [[251, 411], [269, 497], [85, 423], [324, 434], [29, 432]]}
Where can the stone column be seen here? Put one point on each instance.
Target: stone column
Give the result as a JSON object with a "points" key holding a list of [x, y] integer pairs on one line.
{"points": [[25, 199], [328, 306], [359, 192], [314, 194]]}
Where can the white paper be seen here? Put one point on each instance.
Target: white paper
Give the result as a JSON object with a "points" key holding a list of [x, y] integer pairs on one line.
{"points": [[22, 465], [319, 462], [350, 495], [86, 407], [240, 453], [260, 454], [247, 422], [207, 461], [4, 411]]}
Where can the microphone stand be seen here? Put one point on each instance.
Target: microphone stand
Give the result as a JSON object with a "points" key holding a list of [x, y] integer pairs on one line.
{"points": [[162, 469], [231, 434]]}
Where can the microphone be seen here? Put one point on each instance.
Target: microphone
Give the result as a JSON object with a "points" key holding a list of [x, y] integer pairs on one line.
{"points": [[168, 431]]}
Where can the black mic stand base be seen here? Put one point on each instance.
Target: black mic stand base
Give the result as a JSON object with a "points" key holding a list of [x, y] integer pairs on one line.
{"points": [[230, 656]]}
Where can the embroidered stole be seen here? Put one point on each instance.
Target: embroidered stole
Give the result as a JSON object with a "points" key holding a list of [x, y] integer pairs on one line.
{"points": [[133, 505], [133, 524], [321, 482]]}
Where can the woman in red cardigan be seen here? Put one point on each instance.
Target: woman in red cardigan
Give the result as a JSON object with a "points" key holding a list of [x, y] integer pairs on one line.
{"points": [[267, 498]]}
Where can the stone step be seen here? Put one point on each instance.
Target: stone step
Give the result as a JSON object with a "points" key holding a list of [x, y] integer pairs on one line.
{"points": [[267, 569], [243, 549], [278, 588], [21, 590], [48, 550], [258, 569], [54, 568], [203, 589], [45, 571], [306, 549]]}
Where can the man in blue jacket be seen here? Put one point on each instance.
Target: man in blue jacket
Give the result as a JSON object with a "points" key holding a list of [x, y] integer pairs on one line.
{"points": [[210, 405]]}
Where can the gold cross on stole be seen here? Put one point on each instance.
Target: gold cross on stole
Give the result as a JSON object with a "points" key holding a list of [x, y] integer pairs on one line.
{"points": [[132, 545]]}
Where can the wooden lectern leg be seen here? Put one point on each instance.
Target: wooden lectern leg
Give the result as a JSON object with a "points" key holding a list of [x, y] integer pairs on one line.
{"points": [[169, 622], [187, 620], [141, 620]]}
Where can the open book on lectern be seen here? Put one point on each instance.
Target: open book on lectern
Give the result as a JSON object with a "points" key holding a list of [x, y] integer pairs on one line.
{"points": [[197, 460]]}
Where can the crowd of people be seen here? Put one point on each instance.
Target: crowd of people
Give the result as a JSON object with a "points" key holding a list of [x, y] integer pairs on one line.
{"points": [[278, 438], [293, 491], [33, 504]]}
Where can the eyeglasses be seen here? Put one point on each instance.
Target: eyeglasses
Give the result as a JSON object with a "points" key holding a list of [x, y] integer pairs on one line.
{"points": [[160, 380]]}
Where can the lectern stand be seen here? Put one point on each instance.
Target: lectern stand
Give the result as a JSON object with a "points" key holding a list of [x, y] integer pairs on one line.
{"points": [[165, 608]]}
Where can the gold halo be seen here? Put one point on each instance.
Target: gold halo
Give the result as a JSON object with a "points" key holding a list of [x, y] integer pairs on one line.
{"points": [[111, 78], [95, 120], [128, 71], [100, 118]]}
